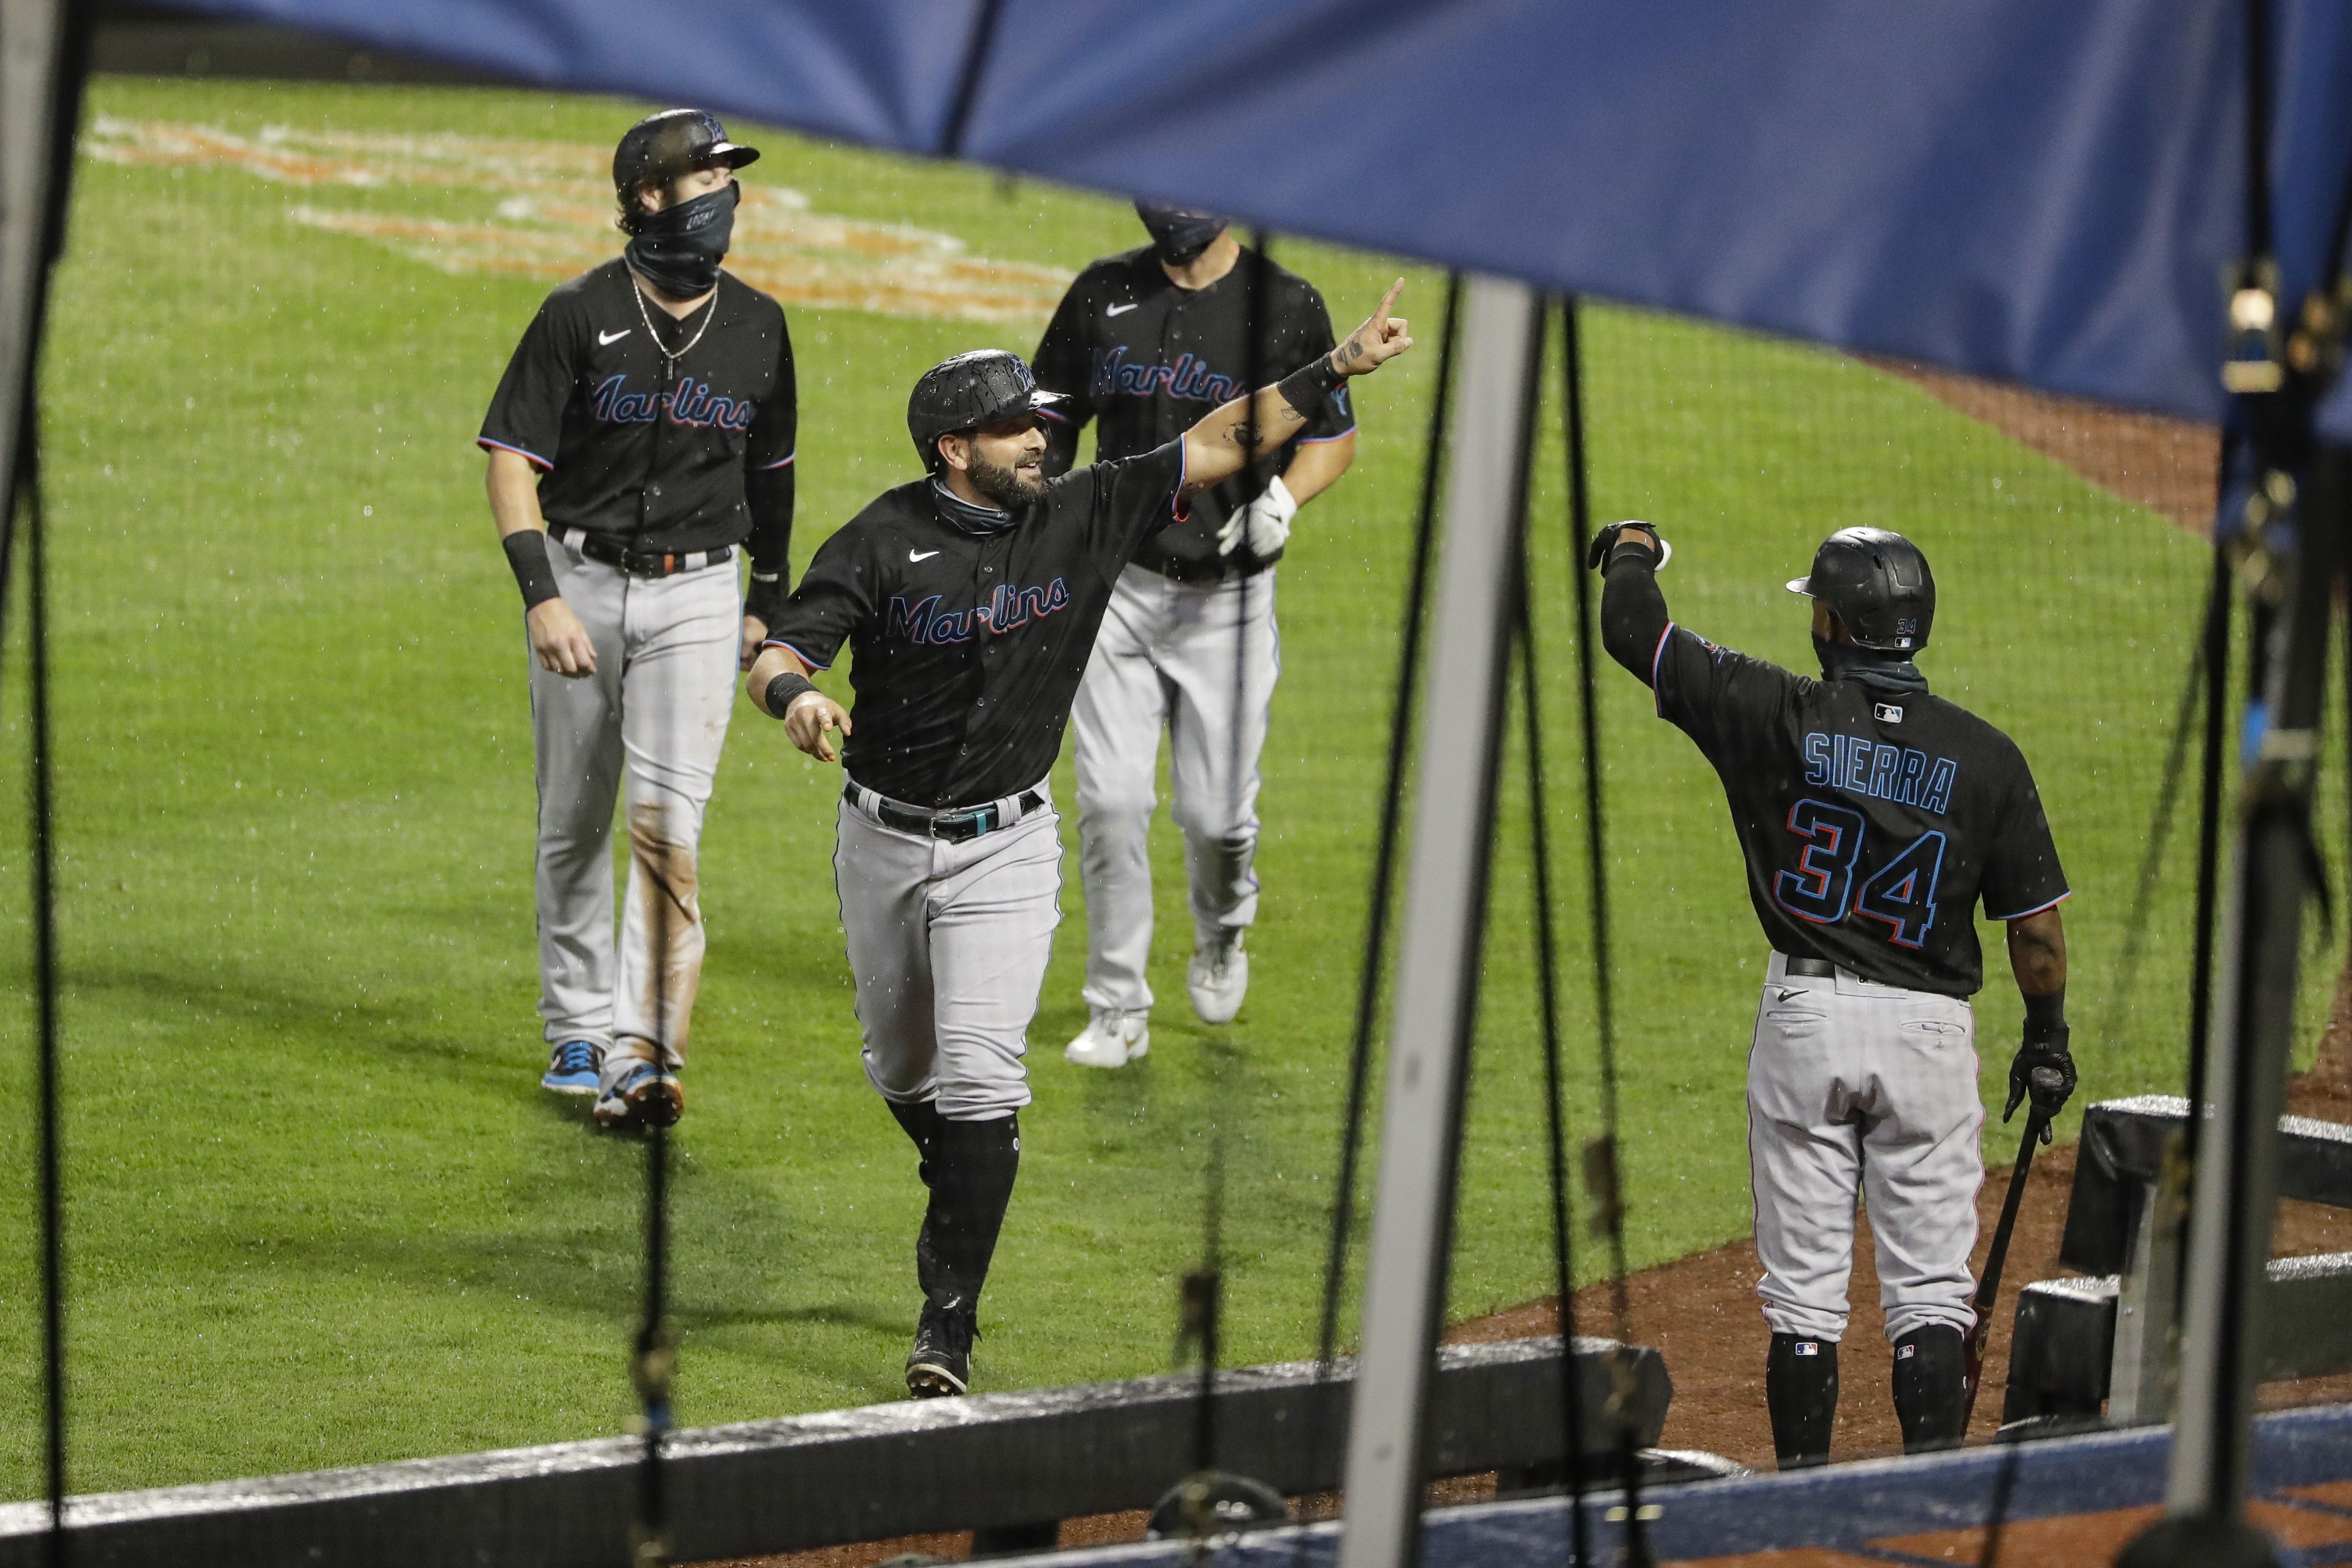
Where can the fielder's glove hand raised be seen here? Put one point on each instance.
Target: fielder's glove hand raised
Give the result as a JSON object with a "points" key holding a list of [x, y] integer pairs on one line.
{"points": [[2045, 1070], [1605, 541], [1266, 522]]}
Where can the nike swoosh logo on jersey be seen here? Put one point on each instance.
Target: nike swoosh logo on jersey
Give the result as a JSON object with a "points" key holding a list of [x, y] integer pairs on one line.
{"points": [[921, 555], [1122, 310], [604, 338]]}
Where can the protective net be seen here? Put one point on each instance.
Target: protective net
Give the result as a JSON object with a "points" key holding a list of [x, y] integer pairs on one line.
{"points": [[2068, 544], [308, 1170]]}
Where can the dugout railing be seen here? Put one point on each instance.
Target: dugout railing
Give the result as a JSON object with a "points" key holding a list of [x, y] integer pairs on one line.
{"points": [[2109, 1343], [1008, 1467]]}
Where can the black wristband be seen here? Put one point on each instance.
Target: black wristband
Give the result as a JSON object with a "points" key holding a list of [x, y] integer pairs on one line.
{"points": [[527, 557], [1310, 386], [2045, 1018], [766, 596], [783, 689]]}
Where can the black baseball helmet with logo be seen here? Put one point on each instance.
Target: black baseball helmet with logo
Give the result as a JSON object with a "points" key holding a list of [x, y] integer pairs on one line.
{"points": [[661, 147], [981, 387], [1878, 584]]}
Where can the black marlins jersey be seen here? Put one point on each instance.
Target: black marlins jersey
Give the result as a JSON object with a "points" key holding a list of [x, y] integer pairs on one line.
{"points": [[1873, 821], [1149, 361], [629, 445], [968, 647]]}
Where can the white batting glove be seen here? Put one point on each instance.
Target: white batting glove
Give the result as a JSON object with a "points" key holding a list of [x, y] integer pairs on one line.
{"points": [[1267, 521]]}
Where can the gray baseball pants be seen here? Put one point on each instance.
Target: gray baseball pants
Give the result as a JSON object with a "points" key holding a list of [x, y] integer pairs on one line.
{"points": [[651, 718], [1164, 661], [948, 942], [1858, 1087]]}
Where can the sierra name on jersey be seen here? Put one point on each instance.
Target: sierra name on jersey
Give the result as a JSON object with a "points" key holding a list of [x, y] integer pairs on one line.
{"points": [[1862, 765], [1873, 824]]}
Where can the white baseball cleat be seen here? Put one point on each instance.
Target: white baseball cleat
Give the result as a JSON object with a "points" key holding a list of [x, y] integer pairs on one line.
{"points": [[1111, 1039], [1219, 976]]}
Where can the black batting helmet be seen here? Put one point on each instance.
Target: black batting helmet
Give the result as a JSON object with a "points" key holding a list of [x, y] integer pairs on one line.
{"points": [[1878, 584], [971, 390], [661, 147]]}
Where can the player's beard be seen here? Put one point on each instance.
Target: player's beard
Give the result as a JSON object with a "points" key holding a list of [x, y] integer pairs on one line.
{"points": [[1011, 488]]}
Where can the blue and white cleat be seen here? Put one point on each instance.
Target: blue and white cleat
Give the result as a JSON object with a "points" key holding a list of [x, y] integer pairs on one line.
{"points": [[573, 1068], [644, 1096]]}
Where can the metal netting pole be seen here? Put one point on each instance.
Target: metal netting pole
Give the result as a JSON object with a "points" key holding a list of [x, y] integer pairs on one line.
{"points": [[1443, 925], [1555, 1089], [2212, 760], [655, 1359], [45, 56], [1604, 1171], [1376, 922], [50, 1153]]}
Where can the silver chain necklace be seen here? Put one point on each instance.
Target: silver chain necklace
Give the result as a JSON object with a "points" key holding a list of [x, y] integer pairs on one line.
{"points": [[637, 292]]}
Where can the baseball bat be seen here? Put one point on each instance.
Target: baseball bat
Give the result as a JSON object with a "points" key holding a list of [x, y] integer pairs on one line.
{"points": [[1988, 1288]]}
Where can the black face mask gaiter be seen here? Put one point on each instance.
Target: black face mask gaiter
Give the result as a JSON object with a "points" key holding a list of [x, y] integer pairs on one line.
{"points": [[1887, 671], [1178, 235], [678, 249]]}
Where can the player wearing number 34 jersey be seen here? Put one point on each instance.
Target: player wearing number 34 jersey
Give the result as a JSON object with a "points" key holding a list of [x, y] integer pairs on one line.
{"points": [[1875, 817]]}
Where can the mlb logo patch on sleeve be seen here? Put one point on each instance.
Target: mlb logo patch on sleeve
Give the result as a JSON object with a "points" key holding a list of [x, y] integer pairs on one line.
{"points": [[1887, 713]]}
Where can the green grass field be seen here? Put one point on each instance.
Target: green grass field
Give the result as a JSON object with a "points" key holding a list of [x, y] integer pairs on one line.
{"points": [[320, 1212]]}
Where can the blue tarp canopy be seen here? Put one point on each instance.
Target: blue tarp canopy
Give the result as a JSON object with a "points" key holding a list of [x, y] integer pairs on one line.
{"points": [[2046, 193]]}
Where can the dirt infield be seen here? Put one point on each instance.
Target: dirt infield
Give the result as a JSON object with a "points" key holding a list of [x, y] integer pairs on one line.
{"points": [[515, 207], [1701, 1313], [2168, 465]]}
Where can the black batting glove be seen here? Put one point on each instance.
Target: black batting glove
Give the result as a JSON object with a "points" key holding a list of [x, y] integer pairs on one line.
{"points": [[1605, 542], [2043, 1071]]}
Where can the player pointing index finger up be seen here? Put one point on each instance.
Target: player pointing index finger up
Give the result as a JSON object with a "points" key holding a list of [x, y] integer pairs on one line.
{"points": [[971, 599], [1142, 345]]}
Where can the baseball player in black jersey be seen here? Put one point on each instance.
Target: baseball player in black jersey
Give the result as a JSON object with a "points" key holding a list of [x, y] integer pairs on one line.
{"points": [[971, 599], [1143, 344], [643, 431], [1875, 817]]}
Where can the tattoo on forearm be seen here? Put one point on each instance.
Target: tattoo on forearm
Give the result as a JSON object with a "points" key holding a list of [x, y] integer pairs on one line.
{"points": [[1247, 435]]}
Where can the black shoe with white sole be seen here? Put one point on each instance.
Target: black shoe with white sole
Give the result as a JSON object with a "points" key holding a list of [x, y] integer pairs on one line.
{"points": [[940, 1365]]}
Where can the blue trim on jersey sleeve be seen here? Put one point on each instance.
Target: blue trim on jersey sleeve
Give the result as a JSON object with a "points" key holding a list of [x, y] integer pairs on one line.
{"points": [[2037, 909], [1657, 655], [795, 652], [533, 458], [784, 462], [1320, 440]]}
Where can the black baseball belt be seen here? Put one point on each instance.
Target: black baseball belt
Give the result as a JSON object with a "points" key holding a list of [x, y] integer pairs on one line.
{"points": [[955, 826], [1809, 968], [637, 562]]}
